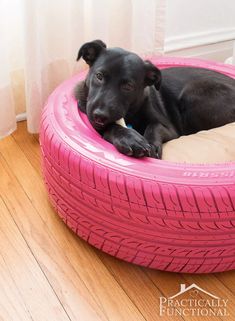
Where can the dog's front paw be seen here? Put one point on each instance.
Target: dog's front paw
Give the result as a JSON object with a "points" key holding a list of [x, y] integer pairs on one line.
{"points": [[132, 144]]}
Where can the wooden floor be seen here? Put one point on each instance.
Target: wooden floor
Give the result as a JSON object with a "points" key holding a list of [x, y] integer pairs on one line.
{"points": [[48, 273]]}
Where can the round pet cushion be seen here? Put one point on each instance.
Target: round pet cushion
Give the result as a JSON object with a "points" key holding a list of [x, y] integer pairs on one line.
{"points": [[209, 146]]}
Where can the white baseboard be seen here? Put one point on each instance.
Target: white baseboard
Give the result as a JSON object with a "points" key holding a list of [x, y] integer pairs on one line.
{"points": [[21, 117], [230, 61], [199, 39], [215, 45], [219, 51]]}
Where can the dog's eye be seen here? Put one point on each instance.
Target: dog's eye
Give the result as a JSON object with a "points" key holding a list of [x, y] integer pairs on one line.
{"points": [[99, 76], [128, 87]]}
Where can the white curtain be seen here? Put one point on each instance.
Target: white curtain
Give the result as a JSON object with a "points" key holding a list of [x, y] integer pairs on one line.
{"points": [[39, 40]]}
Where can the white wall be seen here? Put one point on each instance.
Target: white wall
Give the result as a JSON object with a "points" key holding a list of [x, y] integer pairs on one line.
{"points": [[193, 23]]}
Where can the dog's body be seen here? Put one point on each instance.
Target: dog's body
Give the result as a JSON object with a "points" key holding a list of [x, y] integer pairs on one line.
{"points": [[160, 106]]}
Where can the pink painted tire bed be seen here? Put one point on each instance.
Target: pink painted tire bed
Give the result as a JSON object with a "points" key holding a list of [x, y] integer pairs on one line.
{"points": [[158, 214]]}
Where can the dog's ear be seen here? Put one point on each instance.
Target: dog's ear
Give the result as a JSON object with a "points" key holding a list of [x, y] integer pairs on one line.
{"points": [[152, 76], [90, 51]]}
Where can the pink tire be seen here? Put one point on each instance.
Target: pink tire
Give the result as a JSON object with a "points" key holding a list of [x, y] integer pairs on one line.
{"points": [[163, 215]]}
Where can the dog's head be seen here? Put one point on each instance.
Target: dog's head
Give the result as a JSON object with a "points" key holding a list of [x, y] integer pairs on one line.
{"points": [[116, 82]]}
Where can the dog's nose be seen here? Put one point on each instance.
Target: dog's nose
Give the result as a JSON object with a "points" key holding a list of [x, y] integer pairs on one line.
{"points": [[99, 117]]}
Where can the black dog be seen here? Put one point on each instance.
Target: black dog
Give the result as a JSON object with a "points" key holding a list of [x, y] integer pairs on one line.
{"points": [[160, 106]]}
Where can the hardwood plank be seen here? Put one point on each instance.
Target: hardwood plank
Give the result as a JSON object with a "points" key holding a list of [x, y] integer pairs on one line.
{"points": [[12, 306], [33, 296], [228, 279], [29, 145], [210, 283], [141, 290], [104, 289], [169, 284], [70, 289]]}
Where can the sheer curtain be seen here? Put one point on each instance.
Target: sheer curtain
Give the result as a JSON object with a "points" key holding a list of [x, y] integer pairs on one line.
{"points": [[39, 41]]}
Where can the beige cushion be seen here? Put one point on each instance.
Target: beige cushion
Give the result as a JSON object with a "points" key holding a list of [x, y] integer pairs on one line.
{"points": [[212, 146]]}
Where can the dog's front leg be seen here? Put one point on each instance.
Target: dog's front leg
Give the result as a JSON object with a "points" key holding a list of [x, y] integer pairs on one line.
{"points": [[156, 134], [127, 141]]}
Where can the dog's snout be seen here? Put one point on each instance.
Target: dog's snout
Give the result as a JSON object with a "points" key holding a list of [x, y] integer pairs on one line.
{"points": [[100, 117]]}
